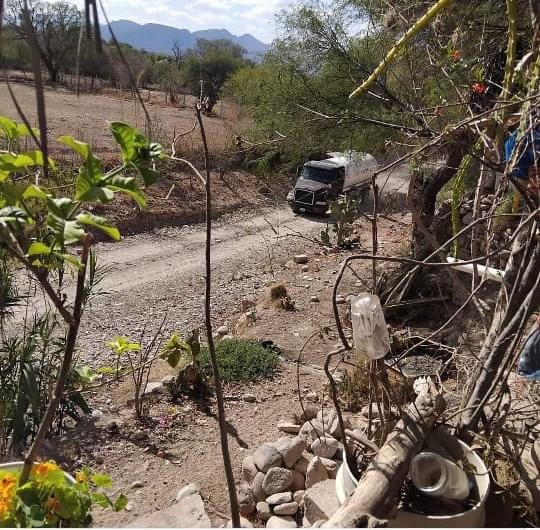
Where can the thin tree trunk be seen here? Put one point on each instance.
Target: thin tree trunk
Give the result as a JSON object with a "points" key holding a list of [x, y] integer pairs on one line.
{"points": [[63, 374], [235, 515]]}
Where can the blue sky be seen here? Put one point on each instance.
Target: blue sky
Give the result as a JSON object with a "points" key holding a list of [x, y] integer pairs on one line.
{"points": [[238, 16]]}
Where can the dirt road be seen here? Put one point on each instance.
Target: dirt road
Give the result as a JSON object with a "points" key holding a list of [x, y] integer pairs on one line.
{"points": [[160, 274]]}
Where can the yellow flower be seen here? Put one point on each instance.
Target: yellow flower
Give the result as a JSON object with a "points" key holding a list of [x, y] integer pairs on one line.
{"points": [[81, 477], [7, 487], [44, 468], [52, 504], [4, 508], [8, 483]]}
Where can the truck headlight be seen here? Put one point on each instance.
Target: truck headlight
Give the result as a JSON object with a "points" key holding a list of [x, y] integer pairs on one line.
{"points": [[320, 203], [290, 196]]}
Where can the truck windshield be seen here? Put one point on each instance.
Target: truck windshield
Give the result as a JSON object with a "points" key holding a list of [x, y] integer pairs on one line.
{"points": [[325, 176]]}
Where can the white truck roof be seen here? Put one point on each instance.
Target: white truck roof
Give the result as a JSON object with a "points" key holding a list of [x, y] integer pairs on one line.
{"points": [[352, 157]]}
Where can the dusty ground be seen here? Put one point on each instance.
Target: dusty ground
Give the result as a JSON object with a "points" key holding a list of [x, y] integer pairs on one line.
{"points": [[178, 197], [157, 276], [85, 117], [160, 274]]}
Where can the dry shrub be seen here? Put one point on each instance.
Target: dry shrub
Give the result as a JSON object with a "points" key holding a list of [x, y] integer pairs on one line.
{"points": [[353, 389]]}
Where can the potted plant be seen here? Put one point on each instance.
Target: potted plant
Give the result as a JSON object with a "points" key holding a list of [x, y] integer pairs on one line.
{"points": [[51, 497]]}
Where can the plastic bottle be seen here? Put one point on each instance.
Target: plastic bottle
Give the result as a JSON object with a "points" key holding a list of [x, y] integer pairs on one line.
{"points": [[439, 477], [369, 326]]}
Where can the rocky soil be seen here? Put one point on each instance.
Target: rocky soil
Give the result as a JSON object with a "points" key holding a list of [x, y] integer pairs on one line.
{"points": [[158, 277]]}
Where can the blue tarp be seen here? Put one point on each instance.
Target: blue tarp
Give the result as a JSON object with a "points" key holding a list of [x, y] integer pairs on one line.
{"points": [[529, 358], [530, 156]]}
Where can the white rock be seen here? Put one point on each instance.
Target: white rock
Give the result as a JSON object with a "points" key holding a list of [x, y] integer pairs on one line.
{"points": [[312, 396], [288, 427], [222, 330], [279, 498], [311, 430], [340, 299], [263, 511], [249, 469], [137, 484], [244, 523], [288, 508], [157, 387], [301, 259], [305, 268], [186, 491], [290, 449], [281, 521], [314, 298], [265, 457], [249, 398], [257, 488], [331, 466], [325, 447], [276, 480], [320, 501], [188, 513], [316, 472]]}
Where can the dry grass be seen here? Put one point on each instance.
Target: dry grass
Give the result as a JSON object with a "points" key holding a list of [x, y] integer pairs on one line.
{"points": [[85, 118]]}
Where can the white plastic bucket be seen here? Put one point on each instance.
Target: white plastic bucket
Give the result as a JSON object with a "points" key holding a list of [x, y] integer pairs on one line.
{"points": [[475, 517], [17, 466]]}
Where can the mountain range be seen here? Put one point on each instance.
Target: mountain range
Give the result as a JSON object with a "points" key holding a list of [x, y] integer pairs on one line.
{"points": [[160, 38]]}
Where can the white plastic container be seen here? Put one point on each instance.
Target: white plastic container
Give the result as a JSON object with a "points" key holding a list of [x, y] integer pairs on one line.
{"points": [[475, 517], [439, 477], [18, 465], [370, 333]]}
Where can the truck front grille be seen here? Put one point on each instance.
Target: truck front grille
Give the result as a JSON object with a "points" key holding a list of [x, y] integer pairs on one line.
{"points": [[304, 196]]}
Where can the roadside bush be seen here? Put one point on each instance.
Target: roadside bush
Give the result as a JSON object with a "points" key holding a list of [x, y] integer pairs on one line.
{"points": [[353, 389], [241, 361], [278, 291], [29, 361]]}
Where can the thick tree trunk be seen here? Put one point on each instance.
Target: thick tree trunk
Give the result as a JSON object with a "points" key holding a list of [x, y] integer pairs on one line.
{"points": [[376, 496], [424, 191]]}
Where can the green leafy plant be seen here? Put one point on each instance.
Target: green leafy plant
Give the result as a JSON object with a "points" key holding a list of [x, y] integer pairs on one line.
{"points": [[37, 229], [51, 499], [119, 346], [177, 352], [241, 361], [28, 362], [343, 211]]}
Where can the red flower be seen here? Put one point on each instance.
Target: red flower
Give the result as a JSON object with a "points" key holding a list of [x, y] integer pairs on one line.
{"points": [[456, 55], [478, 88]]}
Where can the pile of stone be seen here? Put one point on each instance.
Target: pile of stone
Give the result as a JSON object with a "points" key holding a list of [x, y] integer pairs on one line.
{"points": [[291, 482]]}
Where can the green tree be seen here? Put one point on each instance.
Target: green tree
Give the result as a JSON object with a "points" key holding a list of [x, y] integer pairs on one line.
{"points": [[212, 63], [52, 27], [15, 52]]}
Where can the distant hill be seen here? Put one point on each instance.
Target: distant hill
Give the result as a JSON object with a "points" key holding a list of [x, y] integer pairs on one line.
{"points": [[160, 38]]}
